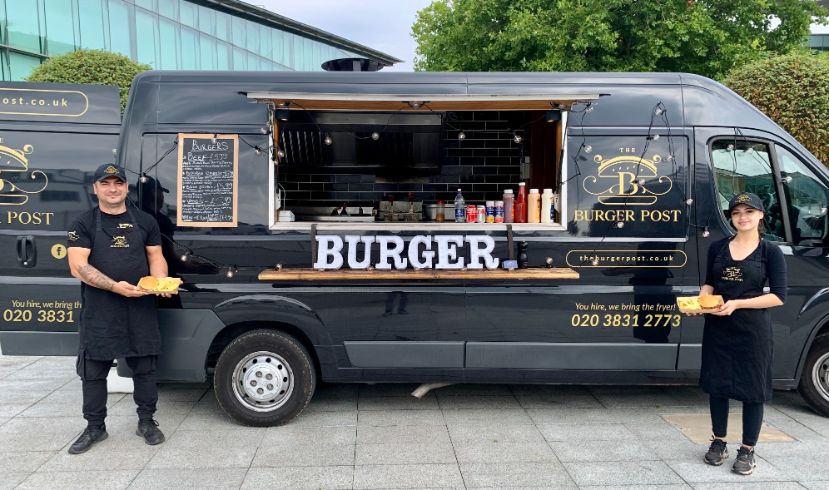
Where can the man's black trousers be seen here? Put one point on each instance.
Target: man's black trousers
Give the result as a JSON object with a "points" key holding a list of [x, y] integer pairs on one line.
{"points": [[93, 375]]}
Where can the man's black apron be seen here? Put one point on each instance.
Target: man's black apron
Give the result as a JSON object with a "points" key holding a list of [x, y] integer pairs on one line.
{"points": [[113, 326], [737, 350]]}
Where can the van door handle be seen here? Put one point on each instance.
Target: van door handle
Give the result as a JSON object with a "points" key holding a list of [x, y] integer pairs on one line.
{"points": [[26, 251]]}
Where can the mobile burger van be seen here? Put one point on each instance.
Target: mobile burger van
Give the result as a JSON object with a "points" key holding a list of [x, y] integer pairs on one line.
{"points": [[317, 224]]}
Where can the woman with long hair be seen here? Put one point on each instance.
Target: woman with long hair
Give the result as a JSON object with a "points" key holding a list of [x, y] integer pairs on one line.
{"points": [[737, 342]]}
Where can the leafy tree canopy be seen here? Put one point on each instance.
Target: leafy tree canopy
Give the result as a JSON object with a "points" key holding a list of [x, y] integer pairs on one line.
{"points": [[95, 67], [793, 90], [708, 37]]}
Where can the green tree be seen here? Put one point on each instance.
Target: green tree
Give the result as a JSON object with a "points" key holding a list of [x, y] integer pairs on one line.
{"points": [[793, 90], [708, 37], [95, 67]]}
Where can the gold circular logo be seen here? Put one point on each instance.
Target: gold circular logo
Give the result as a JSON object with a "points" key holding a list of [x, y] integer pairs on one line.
{"points": [[58, 251]]}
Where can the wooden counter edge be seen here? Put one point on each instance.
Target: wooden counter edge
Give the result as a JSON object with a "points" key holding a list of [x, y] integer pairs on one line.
{"points": [[416, 274]]}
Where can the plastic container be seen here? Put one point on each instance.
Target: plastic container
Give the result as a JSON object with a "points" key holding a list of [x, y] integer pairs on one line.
{"points": [[547, 209], [460, 215], [520, 206], [534, 207], [499, 211], [439, 208], [509, 206]]}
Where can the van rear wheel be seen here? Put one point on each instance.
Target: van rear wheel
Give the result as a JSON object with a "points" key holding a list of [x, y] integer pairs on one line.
{"points": [[264, 378], [814, 382]]}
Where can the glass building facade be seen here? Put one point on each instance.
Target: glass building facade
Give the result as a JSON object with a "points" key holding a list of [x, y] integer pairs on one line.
{"points": [[165, 34]]}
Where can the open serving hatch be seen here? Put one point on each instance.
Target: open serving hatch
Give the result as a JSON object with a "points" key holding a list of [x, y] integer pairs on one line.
{"points": [[318, 133]]}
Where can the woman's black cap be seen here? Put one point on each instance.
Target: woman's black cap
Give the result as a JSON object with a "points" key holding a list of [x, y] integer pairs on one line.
{"points": [[747, 198]]}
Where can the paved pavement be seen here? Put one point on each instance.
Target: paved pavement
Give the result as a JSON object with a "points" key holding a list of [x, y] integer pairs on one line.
{"points": [[377, 436]]}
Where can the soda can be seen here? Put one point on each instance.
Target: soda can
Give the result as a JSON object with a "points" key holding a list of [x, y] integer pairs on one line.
{"points": [[490, 211], [499, 211], [481, 214], [471, 213]]}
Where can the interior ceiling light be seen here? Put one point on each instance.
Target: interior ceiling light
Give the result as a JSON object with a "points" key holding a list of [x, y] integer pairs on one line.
{"points": [[552, 116]]}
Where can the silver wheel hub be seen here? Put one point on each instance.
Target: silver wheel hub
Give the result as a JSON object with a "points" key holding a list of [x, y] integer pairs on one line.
{"points": [[820, 376], [263, 381]]}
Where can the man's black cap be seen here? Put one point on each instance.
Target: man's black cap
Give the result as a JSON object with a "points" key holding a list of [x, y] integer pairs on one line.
{"points": [[109, 170], [747, 198]]}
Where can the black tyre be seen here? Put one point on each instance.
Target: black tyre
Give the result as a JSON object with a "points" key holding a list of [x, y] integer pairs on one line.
{"points": [[264, 378], [814, 382]]}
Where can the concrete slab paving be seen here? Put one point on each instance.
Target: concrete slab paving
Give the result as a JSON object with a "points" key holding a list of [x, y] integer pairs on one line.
{"points": [[304, 455], [406, 453], [691, 472], [308, 477], [378, 418], [11, 479], [622, 473], [408, 476], [503, 452], [496, 416], [80, 480], [406, 402], [586, 432], [600, 451], [163, 479], [769, 485], [516, 475], [291, 434], [172, 457], [378, 436], [678, 486]]}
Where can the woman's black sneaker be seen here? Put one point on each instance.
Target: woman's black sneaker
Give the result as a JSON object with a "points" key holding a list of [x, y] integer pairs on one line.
{"points": [[745, 461], [90, 435], [717, 452]]}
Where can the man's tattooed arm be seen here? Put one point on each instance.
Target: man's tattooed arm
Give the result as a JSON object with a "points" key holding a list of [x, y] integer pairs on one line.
{"points": [[96, 278]]}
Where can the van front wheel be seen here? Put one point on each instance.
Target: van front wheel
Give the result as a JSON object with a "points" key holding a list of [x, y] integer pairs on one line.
{"points": [[814, 382], [264, 378]]}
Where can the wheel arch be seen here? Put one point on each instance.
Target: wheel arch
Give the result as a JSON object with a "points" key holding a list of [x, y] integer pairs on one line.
{"points": [[821, 328], [234, 331], [243, 314]]}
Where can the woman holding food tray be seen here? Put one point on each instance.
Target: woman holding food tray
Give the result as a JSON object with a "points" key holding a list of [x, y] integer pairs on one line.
{"points": [[737, 341]]}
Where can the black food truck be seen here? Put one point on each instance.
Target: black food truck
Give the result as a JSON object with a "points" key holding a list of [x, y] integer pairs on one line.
{"points": [[345, 227], [51, 138]]}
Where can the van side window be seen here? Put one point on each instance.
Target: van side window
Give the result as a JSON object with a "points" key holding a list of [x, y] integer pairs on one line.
{"points": [[745, 166], [807, 198]]}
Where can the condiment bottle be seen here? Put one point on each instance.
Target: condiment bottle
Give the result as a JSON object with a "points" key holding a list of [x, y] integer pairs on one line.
{"points": [[520, 206], [547, 206], [534, 207], [509, 208], [439, 216]]}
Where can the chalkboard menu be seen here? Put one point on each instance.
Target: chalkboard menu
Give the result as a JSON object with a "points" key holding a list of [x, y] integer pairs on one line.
{"points": [[207, 179]]}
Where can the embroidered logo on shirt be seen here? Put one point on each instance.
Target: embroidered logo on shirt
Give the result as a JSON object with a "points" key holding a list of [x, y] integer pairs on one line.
{"points": [[124, 226], [119, 242], [734, 274], [73, 236]]}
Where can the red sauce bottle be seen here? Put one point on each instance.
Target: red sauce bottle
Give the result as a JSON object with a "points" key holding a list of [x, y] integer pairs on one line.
{"points": [[521, 204]]}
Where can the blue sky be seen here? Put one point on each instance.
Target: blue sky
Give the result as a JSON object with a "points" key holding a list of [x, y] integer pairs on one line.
{"points": [[384, 25]]}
